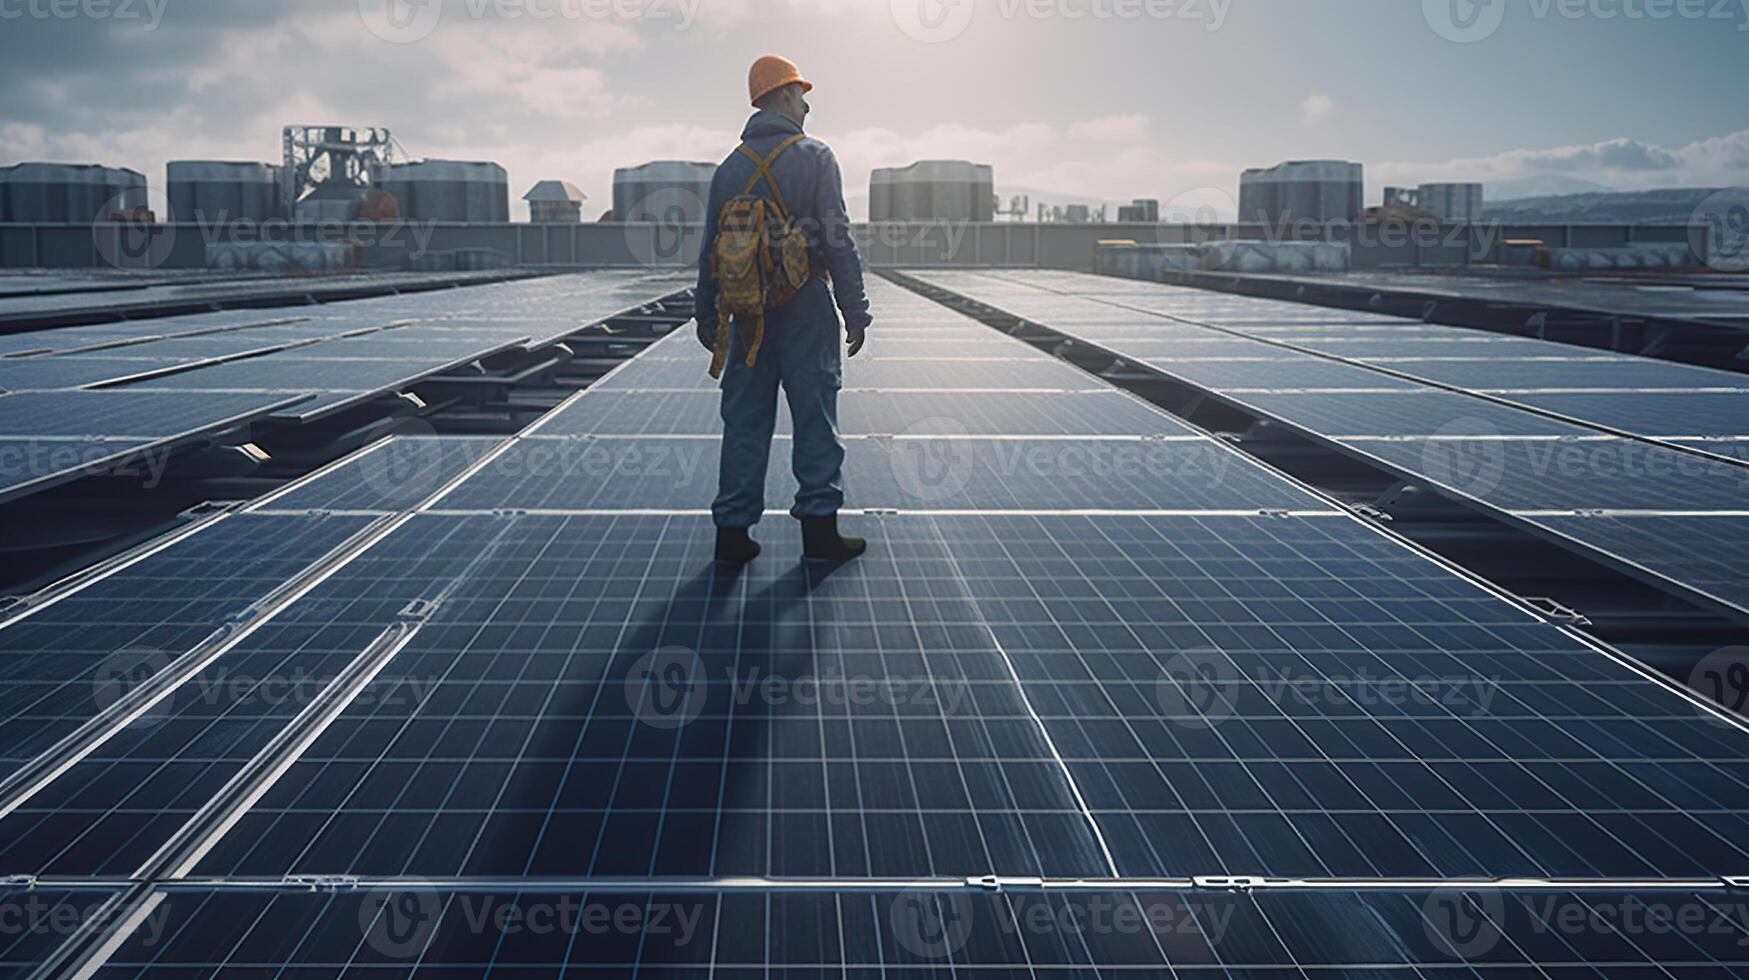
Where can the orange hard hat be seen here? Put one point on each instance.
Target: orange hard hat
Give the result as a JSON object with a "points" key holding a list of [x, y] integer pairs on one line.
{"points": [[773, 72]]}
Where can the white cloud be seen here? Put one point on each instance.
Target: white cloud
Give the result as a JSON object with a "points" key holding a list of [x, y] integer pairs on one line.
{"points": [[1623, 163], [1316, 108], [1111, 129]]}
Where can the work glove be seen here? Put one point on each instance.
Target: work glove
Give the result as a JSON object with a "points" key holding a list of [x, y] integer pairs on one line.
{"points": [[707, 335], [854, 340]]}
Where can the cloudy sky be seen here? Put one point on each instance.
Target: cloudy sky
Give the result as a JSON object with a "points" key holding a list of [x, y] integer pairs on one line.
{"points": [[1101, 99]]}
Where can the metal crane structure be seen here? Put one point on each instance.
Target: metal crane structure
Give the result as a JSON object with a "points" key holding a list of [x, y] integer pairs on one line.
{"points": [[334, 162]]}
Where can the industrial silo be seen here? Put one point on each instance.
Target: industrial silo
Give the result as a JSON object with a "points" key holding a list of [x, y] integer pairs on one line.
{"points": [[448, 190], [671, 192], [214, 192], [62, 193], [1451, 202], [1302, 190], [933, 190]]}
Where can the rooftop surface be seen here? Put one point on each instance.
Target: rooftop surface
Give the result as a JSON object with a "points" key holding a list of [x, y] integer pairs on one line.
{"points": [[1107, 693]]}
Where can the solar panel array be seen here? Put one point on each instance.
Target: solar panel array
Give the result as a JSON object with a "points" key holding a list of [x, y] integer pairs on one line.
{"points": [[87, 400], [1091, 645], [1465, 412]]}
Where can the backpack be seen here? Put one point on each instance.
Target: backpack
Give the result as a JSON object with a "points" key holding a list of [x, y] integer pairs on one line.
{"points": [[759, 260]]}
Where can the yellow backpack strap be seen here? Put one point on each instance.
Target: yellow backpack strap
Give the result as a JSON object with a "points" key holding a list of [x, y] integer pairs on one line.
{"points": [[762, 169]]}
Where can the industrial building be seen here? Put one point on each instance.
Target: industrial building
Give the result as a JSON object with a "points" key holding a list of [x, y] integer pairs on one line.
{"points": [[212, 192], [555, 202], [1140, 211], [666, 191], [1302, 191], [933, 190], [68, 193], [1447, 202], [446, 190]]}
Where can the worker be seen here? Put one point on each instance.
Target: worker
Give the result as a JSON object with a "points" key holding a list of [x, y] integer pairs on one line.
{"points": [[796, 344]]}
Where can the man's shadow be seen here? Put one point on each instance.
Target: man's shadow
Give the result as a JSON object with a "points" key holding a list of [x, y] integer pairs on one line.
{"points": [[682, 703]]}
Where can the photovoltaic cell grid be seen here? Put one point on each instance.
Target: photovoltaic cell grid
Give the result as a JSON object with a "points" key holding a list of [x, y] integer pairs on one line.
{"points": [[916, 933], [390, 476], [108, 813], [52, 436], [1197, 692], [1703, 411], [1470, 447], [449, 330], [963, 473], [66, 662]]}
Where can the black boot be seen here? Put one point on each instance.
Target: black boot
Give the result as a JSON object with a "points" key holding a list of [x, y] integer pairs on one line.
{"points": [[735, 547], [822, 542]]}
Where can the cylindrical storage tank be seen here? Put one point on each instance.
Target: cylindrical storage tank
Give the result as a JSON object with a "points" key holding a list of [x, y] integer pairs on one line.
{"points": [[61, 193], [448, 190], [1451, 202], [935, 190], [1303, 190], [880, 195], [216, 192], [670, 192]]}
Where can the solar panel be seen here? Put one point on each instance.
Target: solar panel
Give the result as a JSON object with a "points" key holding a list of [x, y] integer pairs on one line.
{"points": [[1498, 455], [289, 371], [1408, 413], [1595, 473], [1496, 374], [877, 413], [73, 371], [1302, 373], [869, 370], [933, 931], [25, 462], [39, 920], [1655, 414], [392, 475], [1231, 686], [1705, 552], [1185, 473], [125, 414], [112, 810], [62, 664], [896, 747]]}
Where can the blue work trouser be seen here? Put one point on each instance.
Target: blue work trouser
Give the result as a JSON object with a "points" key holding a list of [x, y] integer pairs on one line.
{"points": [[801, 352]]}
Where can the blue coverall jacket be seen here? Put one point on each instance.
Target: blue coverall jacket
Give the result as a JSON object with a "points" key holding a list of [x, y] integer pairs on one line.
{"points": [[801, 353]]}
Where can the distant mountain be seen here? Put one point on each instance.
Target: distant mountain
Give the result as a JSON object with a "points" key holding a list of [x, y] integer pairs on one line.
{"points": [[1545, 185], [1674, 206]]}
